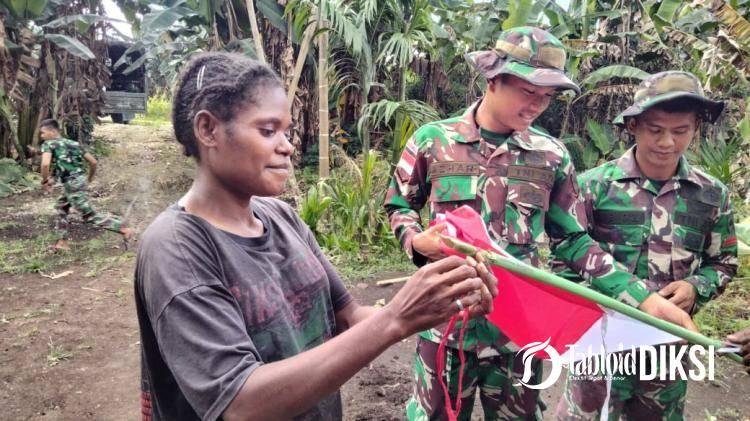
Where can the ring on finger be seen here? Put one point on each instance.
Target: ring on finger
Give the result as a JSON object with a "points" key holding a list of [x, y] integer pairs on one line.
{"points": [[460, 305]]}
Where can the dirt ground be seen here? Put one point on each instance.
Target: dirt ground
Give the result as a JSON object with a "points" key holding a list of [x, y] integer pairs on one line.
{"points": [[69, 345]]}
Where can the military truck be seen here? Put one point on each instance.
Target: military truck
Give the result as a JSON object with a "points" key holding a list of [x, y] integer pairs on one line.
{"points": [[128, 93]]}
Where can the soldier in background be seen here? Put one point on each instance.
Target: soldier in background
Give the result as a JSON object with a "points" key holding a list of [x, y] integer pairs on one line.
{"points": [[65, 158], [523, 184], [666, 221]]}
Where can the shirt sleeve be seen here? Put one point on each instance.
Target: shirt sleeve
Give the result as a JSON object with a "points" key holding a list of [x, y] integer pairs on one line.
{"points": [[719, 260], [203, 341], [198, 325], [407, 193], [46, 147], [570, 242]]}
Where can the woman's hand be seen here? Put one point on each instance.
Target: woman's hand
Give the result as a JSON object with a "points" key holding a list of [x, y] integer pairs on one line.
{"points": [[434, 292]]}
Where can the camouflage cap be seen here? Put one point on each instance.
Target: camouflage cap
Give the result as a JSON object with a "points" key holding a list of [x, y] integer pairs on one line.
{"points": [[664, 86], [532, 54]]}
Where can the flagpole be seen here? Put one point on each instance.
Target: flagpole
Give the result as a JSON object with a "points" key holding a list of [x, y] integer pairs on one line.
{"points": [[548, 278]]}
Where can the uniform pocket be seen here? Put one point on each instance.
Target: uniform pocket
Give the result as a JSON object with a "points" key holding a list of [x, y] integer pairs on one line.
{"points": [[687, 238], [525, 207], [621, 233], [454, 188], [620, 227]]}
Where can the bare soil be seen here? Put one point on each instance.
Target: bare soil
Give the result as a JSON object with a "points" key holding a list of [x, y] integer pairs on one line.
{"points": [[69, 346]]}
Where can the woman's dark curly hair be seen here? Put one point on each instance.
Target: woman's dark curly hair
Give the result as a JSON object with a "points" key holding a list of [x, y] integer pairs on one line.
{"points": [[222, 83]]}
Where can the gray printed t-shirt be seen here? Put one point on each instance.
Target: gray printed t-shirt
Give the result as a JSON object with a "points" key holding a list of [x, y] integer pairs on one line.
{"points": [[213, 306]]}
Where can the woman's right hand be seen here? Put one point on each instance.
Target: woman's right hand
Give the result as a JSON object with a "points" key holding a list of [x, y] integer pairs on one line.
{"points": [[429, 297]]}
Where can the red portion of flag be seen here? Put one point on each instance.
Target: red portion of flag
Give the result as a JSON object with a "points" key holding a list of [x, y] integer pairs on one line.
{"points": [[525, 309]]}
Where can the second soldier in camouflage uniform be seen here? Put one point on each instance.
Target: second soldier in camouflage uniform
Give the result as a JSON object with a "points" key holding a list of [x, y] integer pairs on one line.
{"points": [[667, 222], [64, 158], [523, 184]]}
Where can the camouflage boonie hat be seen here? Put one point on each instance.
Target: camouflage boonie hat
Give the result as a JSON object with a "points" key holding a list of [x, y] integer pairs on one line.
{"points": [[664, 86], [532, 54]]}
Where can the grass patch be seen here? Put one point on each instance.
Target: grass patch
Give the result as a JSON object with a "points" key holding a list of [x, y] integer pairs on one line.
{"points": [[728, 313], [9, 225], [45, 310], [31, 333], [365, 267], [30, 255], [57, 354], [158, 112], [33, 255], [100, 147]]}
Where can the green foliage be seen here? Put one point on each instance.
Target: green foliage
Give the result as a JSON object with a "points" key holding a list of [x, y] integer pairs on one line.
{"points": [[401, 117], [25, 9], [72, 45], [602, 145], [314, 206], [346, 211], [15, 178], [158, 111], [728, 313], [614, 71], [519, 13], [718, 158], [100, 147]]}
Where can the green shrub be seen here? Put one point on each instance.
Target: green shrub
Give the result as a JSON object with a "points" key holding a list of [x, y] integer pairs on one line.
{"points": [[15, 178], [346, 211], [159, 111]]}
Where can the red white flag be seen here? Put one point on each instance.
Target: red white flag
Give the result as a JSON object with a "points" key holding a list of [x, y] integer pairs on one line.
{"points": [[528, 311]]}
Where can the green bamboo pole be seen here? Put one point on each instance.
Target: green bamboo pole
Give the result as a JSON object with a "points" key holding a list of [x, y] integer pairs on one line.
{"points": [[521, 268]]}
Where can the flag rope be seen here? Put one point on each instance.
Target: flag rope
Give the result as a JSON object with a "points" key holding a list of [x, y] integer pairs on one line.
{"points": [[451, 410]]}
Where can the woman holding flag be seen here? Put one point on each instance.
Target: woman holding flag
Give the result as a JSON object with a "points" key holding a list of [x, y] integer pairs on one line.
{"points": [[241, 315]]}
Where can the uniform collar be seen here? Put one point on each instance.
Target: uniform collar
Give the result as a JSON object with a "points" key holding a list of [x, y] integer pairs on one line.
{"points": [[468, 129], [630, 170]]}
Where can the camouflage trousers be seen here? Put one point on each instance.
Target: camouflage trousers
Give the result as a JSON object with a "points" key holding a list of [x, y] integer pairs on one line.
{"points": [[75, 197], [630, 398], [494, 376]]}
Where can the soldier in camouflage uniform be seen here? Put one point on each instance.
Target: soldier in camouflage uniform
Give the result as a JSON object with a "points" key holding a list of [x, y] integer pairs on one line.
{"points": [[667, 222], [66, 157], [523, 184]]}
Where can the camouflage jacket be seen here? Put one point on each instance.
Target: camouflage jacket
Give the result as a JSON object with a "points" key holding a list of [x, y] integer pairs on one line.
{"points": [[67, 157], [683, 231], [523, 188]]}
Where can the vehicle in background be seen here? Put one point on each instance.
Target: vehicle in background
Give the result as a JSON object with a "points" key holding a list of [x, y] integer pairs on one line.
{"points": [[127, 93]]}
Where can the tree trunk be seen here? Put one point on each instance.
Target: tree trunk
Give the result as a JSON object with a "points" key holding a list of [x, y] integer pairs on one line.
{"points": [[256, 33], [402, 84], [300, 63], [323, 164]]}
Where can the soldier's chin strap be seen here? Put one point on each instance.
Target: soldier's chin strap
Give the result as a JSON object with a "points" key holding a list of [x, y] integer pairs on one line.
{"points": [[450, 409]]}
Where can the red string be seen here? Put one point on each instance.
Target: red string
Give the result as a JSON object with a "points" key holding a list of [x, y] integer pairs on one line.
{"points": [[450, 409]]}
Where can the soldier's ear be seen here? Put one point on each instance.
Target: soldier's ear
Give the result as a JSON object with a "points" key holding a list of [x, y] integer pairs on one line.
{"points": [[493, 83], [631, 124]]}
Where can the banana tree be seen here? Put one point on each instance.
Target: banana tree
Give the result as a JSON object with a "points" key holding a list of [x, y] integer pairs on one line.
{"points": [[43, 44]]}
